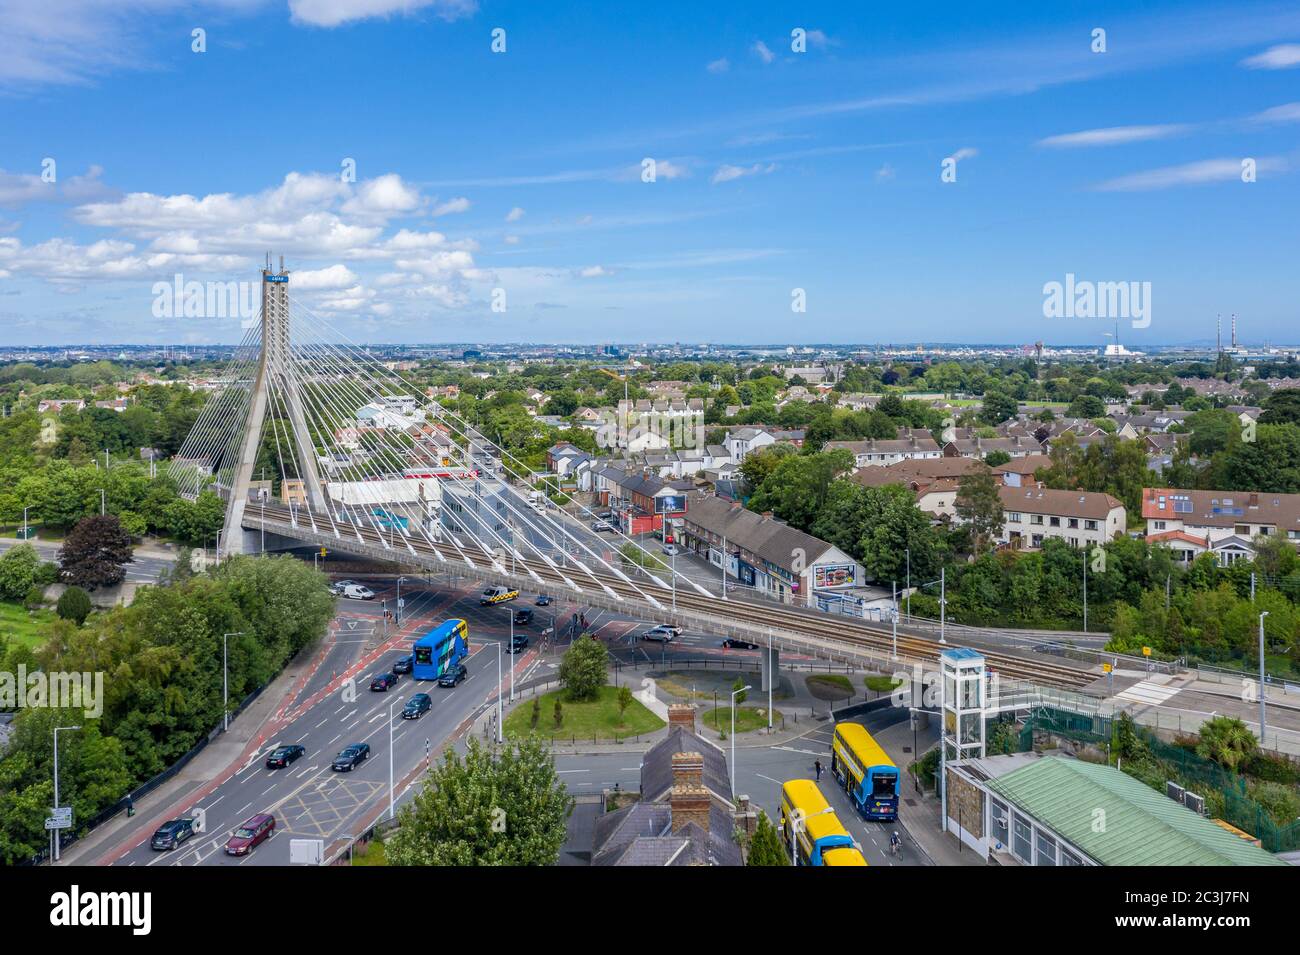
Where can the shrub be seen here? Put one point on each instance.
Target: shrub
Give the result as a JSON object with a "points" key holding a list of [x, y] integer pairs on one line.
{"points": [[35, 598], [74, 605]]}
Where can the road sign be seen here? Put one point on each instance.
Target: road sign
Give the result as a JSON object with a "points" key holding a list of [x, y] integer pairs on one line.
{"points": [[62, 812], [1105, 668], [1146, 651], [52, 823], [401, 602]]}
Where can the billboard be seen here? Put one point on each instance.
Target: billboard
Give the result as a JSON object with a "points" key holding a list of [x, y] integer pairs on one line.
{"points": [[670, 504], [834, 575]]}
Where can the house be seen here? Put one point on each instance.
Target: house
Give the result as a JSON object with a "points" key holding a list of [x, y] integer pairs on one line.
{"points": [[57, 405], [1032, 514], [114, 404], [1020, 471], [562, 457], [745, 441], [686, 814], [910, 445], [977, 447], [1220, 515]]}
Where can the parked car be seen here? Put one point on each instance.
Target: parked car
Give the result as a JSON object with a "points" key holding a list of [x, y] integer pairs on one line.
{"points": [[523, 618], [339, 586], [417, 706], [733, 643], [351, 757], [255, 830], [383, 682], [659, 634], [171, 834], [603, 527], [543, 600], [519, 643], [358, 592], [671, 550], [402, 664], [455, 674], [282, 756]]}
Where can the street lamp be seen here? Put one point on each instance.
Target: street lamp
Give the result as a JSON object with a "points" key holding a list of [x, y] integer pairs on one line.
{"points": [[25, 522], [225, 681], [55, 832], [797, 819], [398, 618], [733, 736], [1262, 615], [391, 798]]}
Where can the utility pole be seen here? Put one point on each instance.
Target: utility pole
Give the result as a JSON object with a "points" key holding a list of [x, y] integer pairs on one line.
{"points": [[943, 603], [225, 681], [908, 586], [1085, 591], [54, 833], [1262, 715], [893, 586], [723, 562], [1252, 586]]}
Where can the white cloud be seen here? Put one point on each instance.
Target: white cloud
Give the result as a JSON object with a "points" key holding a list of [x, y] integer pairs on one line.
{"points": [[512, 240], [1188, 174], [334, 277], [726, 173], [515, 214], [332, 13], [819, 39], [884, 172], [1286, 113], [1285, 56], [762, 52], [18, 189], [966, 152], [459, 204], [384, 195], [720, 65], [595, 271], [1111, 136]]}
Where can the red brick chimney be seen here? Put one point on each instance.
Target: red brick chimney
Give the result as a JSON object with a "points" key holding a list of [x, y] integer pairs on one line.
{"points": [[688, 769], [689, 804], [682, 714]]}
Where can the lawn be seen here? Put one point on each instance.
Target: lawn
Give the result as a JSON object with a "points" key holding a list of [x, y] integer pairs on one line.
{"points": [[597, 718], [374, 855], [747, 718], [830, 686], [15, 621], [881, 684]]}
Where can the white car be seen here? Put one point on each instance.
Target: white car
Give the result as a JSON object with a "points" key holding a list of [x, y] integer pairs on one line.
{"points": [[671, 550], [663, 634], [358, 592], [339, 586]]}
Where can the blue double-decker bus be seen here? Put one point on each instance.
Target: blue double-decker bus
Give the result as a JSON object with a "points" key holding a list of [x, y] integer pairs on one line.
{"points": [[440, 648], [865, 770]]}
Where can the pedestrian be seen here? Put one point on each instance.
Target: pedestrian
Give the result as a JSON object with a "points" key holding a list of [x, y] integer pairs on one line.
{"points": [[817, 765]]}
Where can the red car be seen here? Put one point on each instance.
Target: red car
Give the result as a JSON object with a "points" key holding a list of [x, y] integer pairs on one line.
{"points": [[257, 829]]}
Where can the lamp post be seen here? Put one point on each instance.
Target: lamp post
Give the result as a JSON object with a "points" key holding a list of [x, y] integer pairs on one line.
{"points": [[893, 586], [733, 735], [225, 681], [512, 654], [943, 603], [392, 810], [723, 562], [674, 573], [54, 833], [1085, 591], [398, 617], [1262, 714], [796, 821], [25, 522]]}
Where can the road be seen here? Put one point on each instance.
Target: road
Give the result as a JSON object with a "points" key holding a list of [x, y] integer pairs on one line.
{"points": [[142, 570]]}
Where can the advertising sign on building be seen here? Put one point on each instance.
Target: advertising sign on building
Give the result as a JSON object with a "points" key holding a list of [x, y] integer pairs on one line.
{"points": [[834, 575], [670, 503]]}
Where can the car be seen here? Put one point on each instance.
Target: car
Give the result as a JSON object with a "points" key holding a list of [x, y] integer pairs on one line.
{"points": [[339, 586], [519, 643], [358, 592], [454, 674], [383, 682], [660, 634], [402, 664], [417, 706], [602, 527], [255, 830], [543, 600], [523, 618], [734, 643], [282, 756], [350, 757], [171, 834], [670, 549]]}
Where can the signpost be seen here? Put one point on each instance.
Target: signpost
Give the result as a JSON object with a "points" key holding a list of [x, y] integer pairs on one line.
{"points": [[60, 818]]}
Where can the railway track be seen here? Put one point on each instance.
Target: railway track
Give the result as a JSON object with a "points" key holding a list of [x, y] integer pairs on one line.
{"points": [[822, 630]]}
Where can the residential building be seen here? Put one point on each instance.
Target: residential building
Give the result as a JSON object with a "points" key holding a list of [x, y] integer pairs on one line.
{"points": [[1216, 516], [745, 441], [910, 445], [1033, 514]]}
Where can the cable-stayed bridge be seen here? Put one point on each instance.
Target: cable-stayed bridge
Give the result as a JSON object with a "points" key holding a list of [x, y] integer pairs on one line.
{"points": [[359, 462]]}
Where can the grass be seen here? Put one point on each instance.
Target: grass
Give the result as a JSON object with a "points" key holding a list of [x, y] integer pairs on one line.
{"points": [[829, 686], [597, 718], [374, 855], [25, 626], [881, 684], [748, 718], [643, 557], [713, 685]]}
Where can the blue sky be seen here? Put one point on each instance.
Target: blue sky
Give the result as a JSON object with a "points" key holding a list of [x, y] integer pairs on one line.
{"points": [[776, 170]]}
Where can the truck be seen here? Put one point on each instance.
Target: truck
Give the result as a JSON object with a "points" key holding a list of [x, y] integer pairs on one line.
{"points": [[496, 595], [537, 501]]}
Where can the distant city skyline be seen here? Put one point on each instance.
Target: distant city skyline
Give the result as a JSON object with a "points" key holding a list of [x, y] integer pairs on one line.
{"points": [[670, 173]]}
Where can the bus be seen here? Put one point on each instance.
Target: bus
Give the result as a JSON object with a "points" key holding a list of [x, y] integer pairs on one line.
{"points": [[807, 819], [865, 771], [440, 648]]}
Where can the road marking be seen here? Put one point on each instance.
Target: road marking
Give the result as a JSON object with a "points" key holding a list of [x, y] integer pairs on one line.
{"points": [[769, 779], [208, 807], [268, 789], [321, 723], [306, 771], [244, 810], [562, 771], [334, 740], [809, 752]]}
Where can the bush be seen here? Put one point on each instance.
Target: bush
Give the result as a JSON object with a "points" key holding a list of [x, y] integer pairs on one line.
{"points": [[35, 598], [18, 568], [74, 605], [47, 573]]}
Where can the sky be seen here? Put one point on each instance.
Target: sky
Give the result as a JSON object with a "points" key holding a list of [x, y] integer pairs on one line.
{"points": [[729, 172]]}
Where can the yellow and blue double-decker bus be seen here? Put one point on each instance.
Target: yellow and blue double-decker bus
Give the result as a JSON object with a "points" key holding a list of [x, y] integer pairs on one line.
{"points": [[811, 830], [865, 770], [440, 648]]}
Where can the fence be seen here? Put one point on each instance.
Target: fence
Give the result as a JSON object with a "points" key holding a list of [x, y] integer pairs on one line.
{"points": [[1227, 792], [1238, 678]]}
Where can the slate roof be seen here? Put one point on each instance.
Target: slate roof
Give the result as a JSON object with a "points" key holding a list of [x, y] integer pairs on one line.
{"points": [[770, 539], [657, 765]]}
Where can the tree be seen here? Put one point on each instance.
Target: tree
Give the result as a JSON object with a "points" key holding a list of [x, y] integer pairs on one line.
{"points": [[1282, 407], [765, 848], [998, 407], [18, 569], [74, 604], [1227, 741], [738, 688], [488, 808], [95, 553], [624, 700], [583, 668], [979, 506], [996, 458]]}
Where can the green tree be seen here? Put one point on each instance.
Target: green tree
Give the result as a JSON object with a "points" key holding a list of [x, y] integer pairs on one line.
{"points": [[505, 808], [18, 569], [95, 553], [624, 700], [980, 507], [765, 848], [998, 406], [74, 604], [1227, 741], [738, 688], [583, 668]]}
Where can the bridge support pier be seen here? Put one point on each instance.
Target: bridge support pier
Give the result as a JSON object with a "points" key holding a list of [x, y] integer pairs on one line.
{"points": [[770, 667]]}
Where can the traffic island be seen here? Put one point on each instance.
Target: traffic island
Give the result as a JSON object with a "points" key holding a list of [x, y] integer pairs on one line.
{"points": [[748, 719], [599, 719]]}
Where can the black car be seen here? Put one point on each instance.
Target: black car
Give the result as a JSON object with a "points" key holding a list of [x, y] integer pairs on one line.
{"points": [[282, 756], [351, 757], [455, 674], [519, 643], [523, 618], [417, 706], [402, 664], [732, 643], [543, 600], [171, 834], [384, 682]]}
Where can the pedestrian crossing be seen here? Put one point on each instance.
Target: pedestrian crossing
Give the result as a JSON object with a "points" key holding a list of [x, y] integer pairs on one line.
{"points": [[1152, 692]]}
